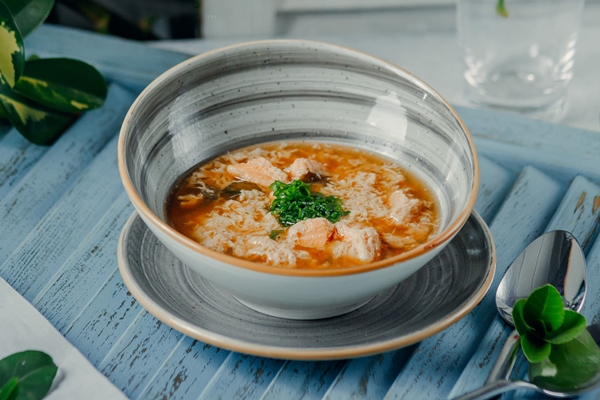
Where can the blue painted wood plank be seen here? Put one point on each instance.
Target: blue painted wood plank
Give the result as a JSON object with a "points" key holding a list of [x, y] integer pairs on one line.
{"points": [[75, 282], [23, 207], [560, 151], [139, 353], [131, 64], [104, 320], [300, 380], [575, 214], [49, 244], [369, 377], [242, 377], [186, 372], [436, 365], [578, 212], [495, 184], [17, 156]]}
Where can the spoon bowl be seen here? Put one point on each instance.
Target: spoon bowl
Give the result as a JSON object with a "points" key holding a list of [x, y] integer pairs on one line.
{"points": [[555, 258]]}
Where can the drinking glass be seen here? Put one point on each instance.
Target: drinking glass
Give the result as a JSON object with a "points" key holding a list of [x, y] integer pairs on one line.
{"points": [[522, 61]]}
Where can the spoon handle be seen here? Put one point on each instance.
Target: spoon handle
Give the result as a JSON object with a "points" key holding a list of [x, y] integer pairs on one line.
{"points": [[495, 388], [506, 359]]}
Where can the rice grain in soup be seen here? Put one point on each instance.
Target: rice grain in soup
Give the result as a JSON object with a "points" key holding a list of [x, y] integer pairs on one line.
{"points": [[226, 205]]}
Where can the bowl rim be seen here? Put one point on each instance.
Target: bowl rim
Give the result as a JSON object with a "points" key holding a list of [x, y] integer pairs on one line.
{"points": [[439, 240]]}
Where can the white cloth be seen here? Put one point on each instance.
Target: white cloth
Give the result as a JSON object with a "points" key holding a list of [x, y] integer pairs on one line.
{"points": [[24, 328]]}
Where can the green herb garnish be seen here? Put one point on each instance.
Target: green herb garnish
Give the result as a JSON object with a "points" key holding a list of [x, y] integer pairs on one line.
{"points": [[295, 202], [561, 351], [26, 375]]}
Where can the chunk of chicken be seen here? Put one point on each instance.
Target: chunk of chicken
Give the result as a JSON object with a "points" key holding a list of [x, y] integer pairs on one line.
{"points": [[302, 168], [219, 242], [362, 243], [313, 233], [274, 253], [258, 170], [402, 207]]}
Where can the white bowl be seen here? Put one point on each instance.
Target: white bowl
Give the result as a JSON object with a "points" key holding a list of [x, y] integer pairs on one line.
{"points": [[276, 90]]}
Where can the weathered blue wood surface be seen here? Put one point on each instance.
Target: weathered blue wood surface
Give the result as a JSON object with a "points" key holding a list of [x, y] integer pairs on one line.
{"points": [[62, 208], [17, 156]]}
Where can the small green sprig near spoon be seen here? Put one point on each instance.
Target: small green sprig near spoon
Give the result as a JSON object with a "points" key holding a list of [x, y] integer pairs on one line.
{"points": [[561, 351]]}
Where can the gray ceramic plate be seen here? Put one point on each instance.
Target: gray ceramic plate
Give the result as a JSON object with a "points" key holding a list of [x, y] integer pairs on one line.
{"points": [[430, 300]]}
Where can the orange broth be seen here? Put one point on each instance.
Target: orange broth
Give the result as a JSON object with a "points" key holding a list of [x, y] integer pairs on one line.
{"points": [[202, 206]]}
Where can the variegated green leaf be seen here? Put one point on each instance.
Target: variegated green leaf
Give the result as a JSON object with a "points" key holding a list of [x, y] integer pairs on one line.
{"points": [[63, 84], [29, 14], [39, 124], [12, 53]]}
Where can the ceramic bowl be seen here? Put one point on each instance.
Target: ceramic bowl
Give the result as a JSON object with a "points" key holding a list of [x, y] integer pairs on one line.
{"points": [[277, 90]]}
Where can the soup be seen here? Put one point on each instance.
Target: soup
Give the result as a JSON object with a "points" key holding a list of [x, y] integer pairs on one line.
{"points": [[303, 205]]}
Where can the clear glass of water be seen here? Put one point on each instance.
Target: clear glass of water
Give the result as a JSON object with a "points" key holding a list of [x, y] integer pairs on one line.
{"points": [[522, 62]]}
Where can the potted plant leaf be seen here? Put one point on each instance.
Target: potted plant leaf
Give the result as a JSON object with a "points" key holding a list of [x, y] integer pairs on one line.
{"points": [[41, 97]]}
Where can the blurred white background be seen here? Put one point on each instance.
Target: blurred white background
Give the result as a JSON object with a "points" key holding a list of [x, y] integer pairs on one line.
{"points": [[417, 35]]}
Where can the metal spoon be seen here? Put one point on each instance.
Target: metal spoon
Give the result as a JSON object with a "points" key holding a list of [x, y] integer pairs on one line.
{"points": [[501, 386], [555, 258]]}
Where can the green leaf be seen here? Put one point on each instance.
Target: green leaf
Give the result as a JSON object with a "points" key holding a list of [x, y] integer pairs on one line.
{"points": [[12, 53], [63, 84], [544, 306], [572, 326], [519, 320], [569, 366], [535, 350], [29, 14], [10, 390], [34, 371], [39, 124]]}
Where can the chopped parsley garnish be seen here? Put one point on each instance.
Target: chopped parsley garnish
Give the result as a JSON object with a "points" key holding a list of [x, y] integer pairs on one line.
{"points": [[295, 202]]}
